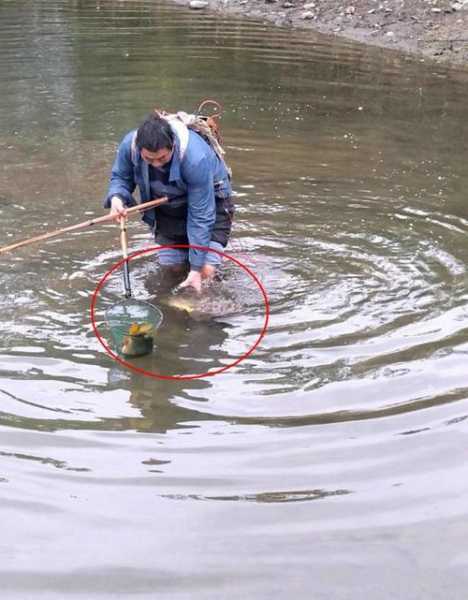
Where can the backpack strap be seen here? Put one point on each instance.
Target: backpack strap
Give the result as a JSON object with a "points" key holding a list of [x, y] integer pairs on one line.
{"points": [[179, 126]]}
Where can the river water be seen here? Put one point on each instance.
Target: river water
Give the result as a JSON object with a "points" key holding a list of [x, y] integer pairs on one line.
{"points": [[331, 463]]}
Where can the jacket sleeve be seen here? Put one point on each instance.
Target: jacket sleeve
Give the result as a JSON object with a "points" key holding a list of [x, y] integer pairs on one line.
{"points": [[201, 213], [122, 179]]}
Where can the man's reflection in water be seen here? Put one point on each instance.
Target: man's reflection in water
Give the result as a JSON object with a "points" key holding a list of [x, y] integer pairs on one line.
{"points": [[183, 346]]}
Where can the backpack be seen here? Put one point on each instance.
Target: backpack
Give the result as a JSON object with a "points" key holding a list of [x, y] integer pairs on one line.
{"points": [[206, 126]]}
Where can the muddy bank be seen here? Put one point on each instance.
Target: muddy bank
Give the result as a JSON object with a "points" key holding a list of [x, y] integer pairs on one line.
{"points": [[433, 28]]}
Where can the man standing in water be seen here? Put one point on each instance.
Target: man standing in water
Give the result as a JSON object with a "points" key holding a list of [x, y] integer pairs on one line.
{"points": [[164, 157]]}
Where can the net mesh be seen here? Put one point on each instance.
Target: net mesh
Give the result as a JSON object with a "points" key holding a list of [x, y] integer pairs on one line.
{"points": [[133, 325]]}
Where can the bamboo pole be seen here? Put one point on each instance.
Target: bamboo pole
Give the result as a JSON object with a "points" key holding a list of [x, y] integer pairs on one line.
{"points": [[124, 245], [104, 219]]}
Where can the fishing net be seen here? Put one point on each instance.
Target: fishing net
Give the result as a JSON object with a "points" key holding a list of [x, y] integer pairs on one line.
{"points": [[133, 325]]}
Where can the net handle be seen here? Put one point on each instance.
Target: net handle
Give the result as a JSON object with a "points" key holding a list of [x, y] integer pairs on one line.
{"points": [[126, 266], [104, 219]]}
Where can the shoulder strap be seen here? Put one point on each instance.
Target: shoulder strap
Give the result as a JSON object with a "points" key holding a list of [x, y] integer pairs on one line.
{"points": [[180, 128]]}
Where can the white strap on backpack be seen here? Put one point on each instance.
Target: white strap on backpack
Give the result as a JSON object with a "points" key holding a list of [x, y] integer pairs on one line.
{"points": [[179, 123]]}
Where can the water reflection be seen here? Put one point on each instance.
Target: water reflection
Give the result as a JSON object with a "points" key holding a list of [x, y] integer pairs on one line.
{"points": [[158, 413], [270, 497]]}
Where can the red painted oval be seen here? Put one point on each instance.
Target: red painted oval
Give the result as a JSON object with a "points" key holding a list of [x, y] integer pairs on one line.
{"points": [[123, 362]]}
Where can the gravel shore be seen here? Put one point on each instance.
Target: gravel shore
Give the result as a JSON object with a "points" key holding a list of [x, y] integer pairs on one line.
{"points": [[433, 28]]}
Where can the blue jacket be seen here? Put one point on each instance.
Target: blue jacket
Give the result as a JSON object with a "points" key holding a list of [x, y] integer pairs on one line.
{"points": [[196, 175]]}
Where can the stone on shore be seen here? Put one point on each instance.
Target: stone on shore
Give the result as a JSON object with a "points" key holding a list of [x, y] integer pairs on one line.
{"points": [[198, 4]]}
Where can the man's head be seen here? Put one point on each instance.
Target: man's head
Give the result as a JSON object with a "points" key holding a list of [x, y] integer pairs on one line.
{"points": [[155, 141]]}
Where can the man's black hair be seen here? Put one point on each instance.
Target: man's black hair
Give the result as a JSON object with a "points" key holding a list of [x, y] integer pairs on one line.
{"points": [[154, 134]]}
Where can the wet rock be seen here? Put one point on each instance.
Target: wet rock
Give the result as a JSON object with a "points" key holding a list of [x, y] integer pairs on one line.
{"points": [[308, 15], [350, 10], [309, 6], [288, 5], [198, 4]]}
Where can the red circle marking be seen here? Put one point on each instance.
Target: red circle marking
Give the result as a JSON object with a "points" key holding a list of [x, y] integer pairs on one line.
{"points": [[123, 362]]}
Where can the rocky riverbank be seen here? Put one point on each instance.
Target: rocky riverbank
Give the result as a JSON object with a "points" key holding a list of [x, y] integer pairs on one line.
{"points": [[433, 28]]}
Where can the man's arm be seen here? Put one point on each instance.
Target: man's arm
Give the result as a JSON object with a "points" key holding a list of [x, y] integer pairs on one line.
{"points": [[122, 181], [201, 217], [201, 213]]}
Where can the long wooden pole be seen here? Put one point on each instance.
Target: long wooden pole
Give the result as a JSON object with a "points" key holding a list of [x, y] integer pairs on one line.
{"points": [[104, 219]]}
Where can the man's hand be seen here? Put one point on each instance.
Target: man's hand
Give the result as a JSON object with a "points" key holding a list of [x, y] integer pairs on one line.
{"points": [[117, 208], [193, 280]]}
